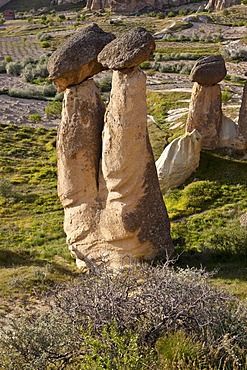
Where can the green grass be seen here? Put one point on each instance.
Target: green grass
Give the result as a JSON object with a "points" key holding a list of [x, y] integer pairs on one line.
{"points": [[188, 50], [205, 219], [31, 231], [158, 106]]}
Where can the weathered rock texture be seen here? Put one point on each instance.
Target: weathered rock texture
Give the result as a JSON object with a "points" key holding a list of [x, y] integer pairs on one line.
{"points": [[135, 219], [135, 6], [66, 1], [129, 50], [243, 220], [179, 160], [114, 211], [221, 4], [76, 60], [209, 70], [205, 114], [97, 4], [78, 153], [228, 133], [205, 111], [241, 141]]}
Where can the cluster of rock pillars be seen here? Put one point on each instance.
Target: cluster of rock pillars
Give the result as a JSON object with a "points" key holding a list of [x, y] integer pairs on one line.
{"points": [[107, 178]]}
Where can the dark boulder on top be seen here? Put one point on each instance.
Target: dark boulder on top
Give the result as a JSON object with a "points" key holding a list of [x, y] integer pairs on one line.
{"points": [[209, 70], [76, 60], [129, 50]]}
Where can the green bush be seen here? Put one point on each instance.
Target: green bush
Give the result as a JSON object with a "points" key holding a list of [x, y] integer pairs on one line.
{"points": [[227, 241], [6, 188], [105, 84], [226, 95], [2, 67], [45, 44], [171, 14], [28, 73], [178, 350], [54, 109], [7, 59], [50, 90], [199, 195], [14, 68], [44, 36], [35, 117]]}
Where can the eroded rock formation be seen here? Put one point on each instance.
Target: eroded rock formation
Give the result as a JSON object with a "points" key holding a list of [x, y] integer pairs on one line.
{"points": [[179, 160], [228, 133], [135, 6], [76, 60], [114, 210], [241, 141], [205, 110], [129, 50], [208, 71], [221, 4]]}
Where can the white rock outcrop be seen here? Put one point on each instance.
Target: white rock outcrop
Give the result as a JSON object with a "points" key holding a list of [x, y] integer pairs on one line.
{"points": [[179, 160], [228, 133]]}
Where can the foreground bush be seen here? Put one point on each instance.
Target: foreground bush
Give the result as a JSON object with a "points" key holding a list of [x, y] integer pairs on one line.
{"points": [[139, 318]]}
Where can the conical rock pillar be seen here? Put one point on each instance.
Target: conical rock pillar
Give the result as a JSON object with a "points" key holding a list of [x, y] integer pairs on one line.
{"points": [[114, 210], [78, 152], [241, 141], [135, 220], [205, 114]]}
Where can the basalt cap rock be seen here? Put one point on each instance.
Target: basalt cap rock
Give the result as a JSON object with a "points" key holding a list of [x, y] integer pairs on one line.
{"points": [[128, 50], [209, 70], [76, 60]]}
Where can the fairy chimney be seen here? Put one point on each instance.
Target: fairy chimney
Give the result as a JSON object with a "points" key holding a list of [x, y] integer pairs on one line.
{"points": [[114, 210], [205, 110]]}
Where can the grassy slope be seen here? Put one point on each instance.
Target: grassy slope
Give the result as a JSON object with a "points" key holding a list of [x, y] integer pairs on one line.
{"points": [[33, 254]]}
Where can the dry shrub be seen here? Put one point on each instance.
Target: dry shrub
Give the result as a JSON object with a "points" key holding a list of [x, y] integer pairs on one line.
{"points": [[145, 303]]}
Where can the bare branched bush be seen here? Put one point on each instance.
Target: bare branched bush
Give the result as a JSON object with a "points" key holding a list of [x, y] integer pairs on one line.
{"points": [[145, 302]]}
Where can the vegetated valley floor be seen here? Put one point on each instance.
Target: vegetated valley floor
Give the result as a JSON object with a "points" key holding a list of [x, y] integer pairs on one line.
{"points": [[204, 213]]}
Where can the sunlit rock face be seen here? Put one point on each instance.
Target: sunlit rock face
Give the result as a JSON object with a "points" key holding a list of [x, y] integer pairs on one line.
{"points": [[179, 160], [205, 110], [107, 179], [241, 140], [221, 4]]}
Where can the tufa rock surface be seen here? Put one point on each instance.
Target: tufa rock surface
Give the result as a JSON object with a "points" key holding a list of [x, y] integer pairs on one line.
{"points": [[179, 160], [228, 133], [76, 60], [241, 141], [205, 114], [135, 221], [221, 4], [127, 51], [208, 71], [243, 220], [135, 6], [78, 152], [114, 210]]}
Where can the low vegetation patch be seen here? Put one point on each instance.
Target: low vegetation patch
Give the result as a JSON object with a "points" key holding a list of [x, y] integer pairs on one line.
{"points": [[139, 318]]}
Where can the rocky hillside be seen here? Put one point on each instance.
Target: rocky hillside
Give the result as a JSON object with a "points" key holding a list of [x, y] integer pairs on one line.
{"points": [[120, 6]]}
